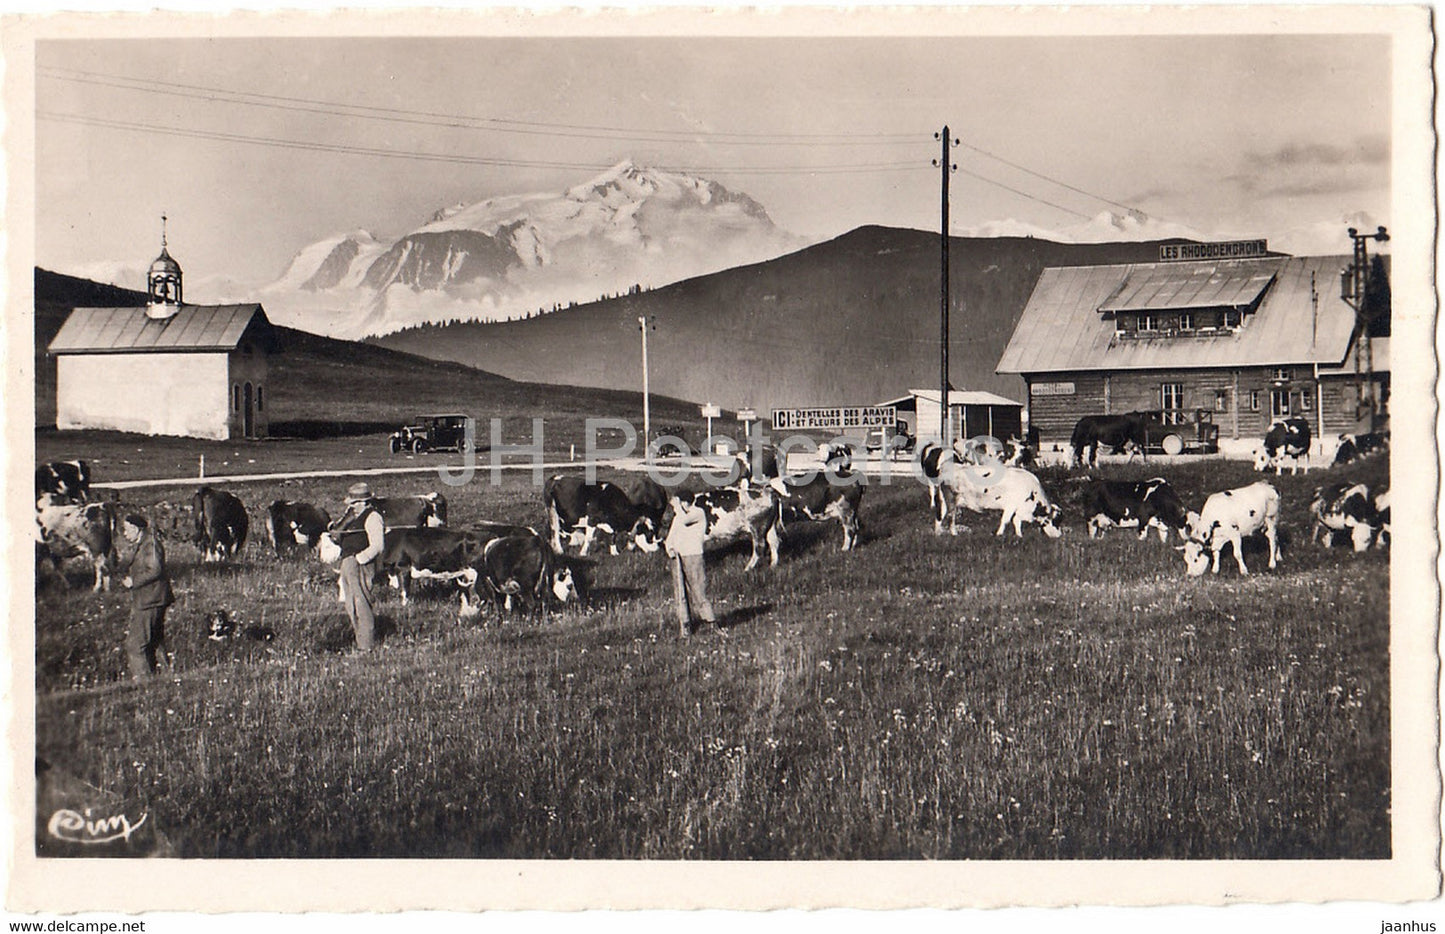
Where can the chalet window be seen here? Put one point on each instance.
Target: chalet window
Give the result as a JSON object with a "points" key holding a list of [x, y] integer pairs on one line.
{"points": [[1279, 403], [1186, 321], [1148, 322], [1254, 400], [1306, 401], [1171, 396], [1221, 400], [1281, 374], [1231, 318]]}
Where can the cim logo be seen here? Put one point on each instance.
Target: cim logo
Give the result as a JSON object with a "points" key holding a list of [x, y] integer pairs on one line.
{"points": [[74, 827]]}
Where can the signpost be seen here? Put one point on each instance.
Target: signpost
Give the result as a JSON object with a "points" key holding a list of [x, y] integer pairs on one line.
{"points": [[836, 418], [710, 412]]}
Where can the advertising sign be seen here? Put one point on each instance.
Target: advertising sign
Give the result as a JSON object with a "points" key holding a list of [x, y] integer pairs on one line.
{"points": [[837, 418], [1234, 249]]}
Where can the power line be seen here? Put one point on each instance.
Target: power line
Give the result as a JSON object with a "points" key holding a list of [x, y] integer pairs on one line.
{"points": [[1023, 194], [343, 148], [1050, 179], [462, 121]]}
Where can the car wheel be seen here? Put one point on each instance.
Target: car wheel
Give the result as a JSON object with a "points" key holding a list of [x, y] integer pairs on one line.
{"points": [[418, 446], [395, 445], [1172, 444], [464, 445]]}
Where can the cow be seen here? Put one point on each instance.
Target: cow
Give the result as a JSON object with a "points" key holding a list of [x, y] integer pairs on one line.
{"points": [[1017, 453], [221, 524], [411, 512], [1122, 434], [819, 498], [980, 450], [759, 465], [1013, 491], [291, 523], [1227, 517], [1382, 515], [932, 459], [1354, 447], [734, 514], [581, 509], [567, 574], [522, 572], [429, 553], [68, 480], [69, 530], [1143, 505], [1345, 507], [1286, 438], [836, 455]]}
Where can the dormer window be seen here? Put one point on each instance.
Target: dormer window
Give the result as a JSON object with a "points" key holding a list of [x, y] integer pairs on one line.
{"points": [[1148, 322], [1232, 317], [1186, 321]]}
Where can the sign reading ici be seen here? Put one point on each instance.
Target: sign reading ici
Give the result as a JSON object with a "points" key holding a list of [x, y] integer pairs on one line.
{"points": [[838, 418]]}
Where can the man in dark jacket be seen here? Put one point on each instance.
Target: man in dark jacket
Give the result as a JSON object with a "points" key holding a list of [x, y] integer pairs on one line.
{"points": [[150, 589]]}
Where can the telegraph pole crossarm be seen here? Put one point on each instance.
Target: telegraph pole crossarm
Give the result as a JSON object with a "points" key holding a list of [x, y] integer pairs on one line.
{"points": [[1356, 293]]}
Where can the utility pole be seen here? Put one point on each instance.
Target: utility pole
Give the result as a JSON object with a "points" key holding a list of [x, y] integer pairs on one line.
{"points": [[1354, 291], [645, 324], [945, 417]]}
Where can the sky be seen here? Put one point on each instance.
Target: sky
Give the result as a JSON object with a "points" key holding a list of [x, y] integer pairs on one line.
{"points": [[257, 147]]}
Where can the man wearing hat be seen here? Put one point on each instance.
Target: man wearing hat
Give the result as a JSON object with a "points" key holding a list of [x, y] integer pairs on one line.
{"points": [[356, 569]]}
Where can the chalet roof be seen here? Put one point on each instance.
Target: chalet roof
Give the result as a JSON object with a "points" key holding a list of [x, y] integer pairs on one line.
{"points": [[130, 330], [955, 397], [1066, 325]]}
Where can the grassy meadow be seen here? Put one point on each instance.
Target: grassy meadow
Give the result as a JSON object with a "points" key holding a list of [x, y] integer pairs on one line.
{"points": [[922, 697]]}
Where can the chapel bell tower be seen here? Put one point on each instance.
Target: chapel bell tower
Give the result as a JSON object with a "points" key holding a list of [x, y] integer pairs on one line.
{"points": [[163, 282]]}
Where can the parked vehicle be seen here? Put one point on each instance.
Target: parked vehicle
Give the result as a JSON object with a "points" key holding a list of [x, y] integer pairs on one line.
{"points": [[1181, 432], [450, 432], [896, 441]]}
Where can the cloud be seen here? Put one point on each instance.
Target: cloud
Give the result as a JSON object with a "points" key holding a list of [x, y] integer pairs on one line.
{"points": [[1366, 150]]}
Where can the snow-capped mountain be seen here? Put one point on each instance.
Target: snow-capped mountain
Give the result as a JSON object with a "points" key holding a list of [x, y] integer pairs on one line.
{"points": [[517, 255]]}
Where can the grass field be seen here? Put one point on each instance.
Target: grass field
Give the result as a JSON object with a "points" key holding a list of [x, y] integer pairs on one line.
{"points": [[922, 697]]}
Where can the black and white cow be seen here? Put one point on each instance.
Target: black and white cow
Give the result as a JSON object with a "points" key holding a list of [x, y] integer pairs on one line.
{"points": [[734, 514], [412, 512], [1346, 507], [522, 572], [580, 510], [1226, 519], [1353, 447], [67, 480], [758, 465], [221, 524], [290, 524], [819, 498], [429, 553], [1018, 453], [933, 458], [1142, 504], [980, 450], [1382, 515], [1287, 438], [70, 530], [1012, 491], [1122, 434]]}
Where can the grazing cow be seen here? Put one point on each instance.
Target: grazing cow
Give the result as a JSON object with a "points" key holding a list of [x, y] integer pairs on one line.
{"points": [[819, 498], [980, 450], [69, 530], [734, 514], [429, 553], [1345, 507], [1227, 517], [1143, 505], [836, 455], [291, 523], [522, 572], [581, 509], [1354, 447], [1286, 438], [932, 459], [412, 512], [1012, 491], [1120, 433], [68, 480], [221, 524], [1382, 515]]}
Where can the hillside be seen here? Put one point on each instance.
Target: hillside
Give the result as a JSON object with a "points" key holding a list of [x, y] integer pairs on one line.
{"points": [[324, 387], [853, 320]]}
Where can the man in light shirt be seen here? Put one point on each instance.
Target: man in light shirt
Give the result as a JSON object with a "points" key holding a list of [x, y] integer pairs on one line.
{"points": [[689, 579], [356, 567]]}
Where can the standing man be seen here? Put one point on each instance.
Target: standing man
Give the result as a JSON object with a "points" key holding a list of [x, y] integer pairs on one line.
{"points": [[356, 560], [689, 579], [150, 590]]}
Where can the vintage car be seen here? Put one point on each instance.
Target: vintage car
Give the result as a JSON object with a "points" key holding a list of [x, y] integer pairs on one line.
{"points": [[1181, 431], [451, 432]]}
